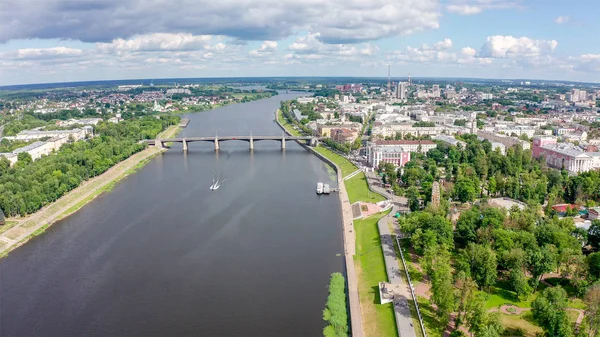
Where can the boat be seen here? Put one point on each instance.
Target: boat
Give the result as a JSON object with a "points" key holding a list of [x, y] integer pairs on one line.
{"points": [[216, 185], [326, 189], [319, 187]]}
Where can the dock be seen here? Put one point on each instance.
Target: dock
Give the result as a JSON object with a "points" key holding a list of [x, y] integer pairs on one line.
{"points": [[184, 122]]}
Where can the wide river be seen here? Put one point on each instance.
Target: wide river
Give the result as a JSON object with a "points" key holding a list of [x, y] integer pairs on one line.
{"points": [[162, 255]]}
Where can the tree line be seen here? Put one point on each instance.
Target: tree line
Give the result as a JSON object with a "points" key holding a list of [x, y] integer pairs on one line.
{"points": [[29, 185]]}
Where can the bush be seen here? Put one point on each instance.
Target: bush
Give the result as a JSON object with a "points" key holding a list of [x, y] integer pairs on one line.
{"points": [[335, 310]]}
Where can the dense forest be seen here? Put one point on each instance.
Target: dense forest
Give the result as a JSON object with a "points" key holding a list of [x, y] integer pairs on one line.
{"points": [[29, 185]]}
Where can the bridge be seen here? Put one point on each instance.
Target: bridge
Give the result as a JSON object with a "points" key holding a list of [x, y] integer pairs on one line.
{"points": [[312, 141]]}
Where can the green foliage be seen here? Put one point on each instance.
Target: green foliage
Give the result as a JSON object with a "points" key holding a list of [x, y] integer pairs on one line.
{"points": [[335, 312], [593, 261], [441, 284], [2, 218], [480, 263], [549, 311], [424, 124], [24, 189]]}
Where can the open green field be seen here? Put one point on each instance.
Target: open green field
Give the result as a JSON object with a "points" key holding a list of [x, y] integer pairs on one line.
{"points": [[358, 190], [346, 166], [502, 294], [378, 320], [520, 325]]}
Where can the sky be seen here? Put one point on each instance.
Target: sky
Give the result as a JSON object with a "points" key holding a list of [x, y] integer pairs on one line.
{"points": [[45, 41]]}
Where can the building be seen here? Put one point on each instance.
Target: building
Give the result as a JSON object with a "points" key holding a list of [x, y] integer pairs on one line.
{"points": [[76, 134], [36, 150], [567, 156], [450, 140], [508, 142], [594, 213], [401, 91], [324, 130], [539, 142], [396, 152], [342, 135]]}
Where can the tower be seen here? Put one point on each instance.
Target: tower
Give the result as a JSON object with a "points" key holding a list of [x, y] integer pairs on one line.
{"points": [[409, 80], [389, 78], [435, 194]]}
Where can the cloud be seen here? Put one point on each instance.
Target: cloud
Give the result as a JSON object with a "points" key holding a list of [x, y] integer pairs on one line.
{"points": [[464, 9], [511, 47], [586, 63], [562, 19], [337, 21], [439, 52], [156, 42], [471, 7], [265, 49], [41, 53]]}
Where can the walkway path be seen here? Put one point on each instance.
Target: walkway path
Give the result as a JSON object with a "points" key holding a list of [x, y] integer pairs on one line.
{"points": [[401, 307], [352, 174]]}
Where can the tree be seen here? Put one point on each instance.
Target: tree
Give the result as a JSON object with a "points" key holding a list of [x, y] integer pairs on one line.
{"points": [[465, 295], [441, 285], [541, 261], [412, 194], [481, 322], [549, 311], [2, 219], [480, 263], [24, 158], [465, 189], [466, 227], [592, 312], [335, 310], [594, 234], [593, 261]]}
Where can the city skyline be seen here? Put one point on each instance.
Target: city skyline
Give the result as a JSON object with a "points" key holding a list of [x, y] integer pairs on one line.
{"points": [[63, 41]]}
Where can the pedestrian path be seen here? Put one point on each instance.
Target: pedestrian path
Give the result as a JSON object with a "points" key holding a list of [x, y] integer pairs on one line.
{"points": [[351, 175], [401, 306]]}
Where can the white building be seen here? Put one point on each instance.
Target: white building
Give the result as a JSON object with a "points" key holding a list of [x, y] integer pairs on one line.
{"points": [[396, 152], [76, 134]]}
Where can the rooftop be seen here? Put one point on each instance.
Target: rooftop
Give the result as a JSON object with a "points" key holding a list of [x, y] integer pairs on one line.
{"points": [[404, 142], [29, 147]]}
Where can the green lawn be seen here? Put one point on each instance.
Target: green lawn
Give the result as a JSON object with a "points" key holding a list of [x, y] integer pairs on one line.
{"points": [[359, 191], [502, 294], [520, 325], [378, 320], [346, 166], [289, 127]]}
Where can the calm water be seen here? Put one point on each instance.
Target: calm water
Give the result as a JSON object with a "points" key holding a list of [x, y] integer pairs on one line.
{"points": [[162, 255]]}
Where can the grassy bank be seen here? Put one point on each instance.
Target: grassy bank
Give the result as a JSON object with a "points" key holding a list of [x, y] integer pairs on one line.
{"points": [[344, 164], [286, 124], [378, 320], [358, 190]]}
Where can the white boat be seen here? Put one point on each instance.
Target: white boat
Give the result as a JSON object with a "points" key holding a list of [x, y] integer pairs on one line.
{"points": [[326, 189], [216, 185], [319, 187]]}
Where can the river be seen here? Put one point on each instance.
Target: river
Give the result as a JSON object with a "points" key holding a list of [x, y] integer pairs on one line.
{"points": [[162, 255]]}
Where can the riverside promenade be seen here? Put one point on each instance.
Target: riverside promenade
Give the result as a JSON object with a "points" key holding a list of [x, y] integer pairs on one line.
{"points": [[349, 238]]}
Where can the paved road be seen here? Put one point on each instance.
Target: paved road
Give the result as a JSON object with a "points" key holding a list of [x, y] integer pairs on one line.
{"points": [[401, 308]]}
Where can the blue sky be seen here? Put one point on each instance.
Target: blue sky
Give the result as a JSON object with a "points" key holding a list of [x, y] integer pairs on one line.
{"points": [[63, 40]]}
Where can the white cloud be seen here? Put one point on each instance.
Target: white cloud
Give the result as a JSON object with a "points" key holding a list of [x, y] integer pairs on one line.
{"points": [[266, 48], [471, 7], [511, 47], [41, 53], [338, 21], [562, 19], [586, 63], [156, 42], [310, 47], [464, 9]]}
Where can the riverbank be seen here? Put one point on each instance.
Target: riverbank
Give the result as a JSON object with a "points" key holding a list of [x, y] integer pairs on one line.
{"points": [[23, 229]]}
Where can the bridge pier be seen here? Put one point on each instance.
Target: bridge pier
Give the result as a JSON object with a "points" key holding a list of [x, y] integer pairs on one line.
{"points": [[185, 146], [283, 143], [216, 144], [157, 143], [251, 143]]}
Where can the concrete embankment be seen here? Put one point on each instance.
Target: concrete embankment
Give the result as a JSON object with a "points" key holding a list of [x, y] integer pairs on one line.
{"points": [[349, 243]]}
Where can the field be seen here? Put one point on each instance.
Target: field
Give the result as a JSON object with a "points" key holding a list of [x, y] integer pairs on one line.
{"points": [[358, 190], [378, 320]]}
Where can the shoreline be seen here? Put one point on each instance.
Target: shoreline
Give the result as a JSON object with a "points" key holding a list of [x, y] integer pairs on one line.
{"points": [[349, 239], [36, 223]]}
